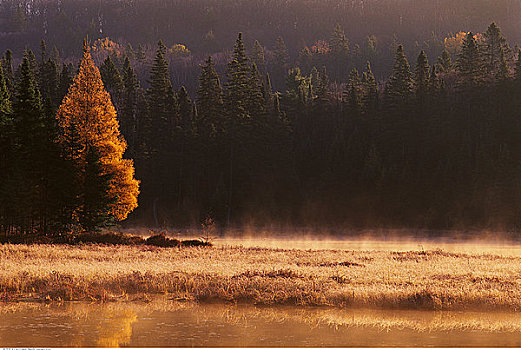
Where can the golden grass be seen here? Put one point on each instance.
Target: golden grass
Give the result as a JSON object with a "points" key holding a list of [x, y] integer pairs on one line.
{"points": [[431, 279]]}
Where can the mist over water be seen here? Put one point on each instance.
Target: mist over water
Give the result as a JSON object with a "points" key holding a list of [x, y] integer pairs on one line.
{"points": [[470, 242]]}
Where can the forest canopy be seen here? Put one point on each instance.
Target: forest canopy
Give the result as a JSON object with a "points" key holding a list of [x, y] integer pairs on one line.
{"points": [[361, 114]]}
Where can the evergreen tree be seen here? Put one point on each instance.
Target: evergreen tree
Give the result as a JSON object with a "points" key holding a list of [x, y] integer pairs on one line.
{"points": [[7, 63], [340, 52], [469, 64], [160, 101], [96, 199], [29, 137], [88, 111], [238, 82], [210, 99], [6, 155], [399, 86], [280, 60], [353, 93], [445, 62], [339, 43], [496, 47], [517, 68], [422, 75], [258, 56], [112, 79], [305, 60], [128, 112], [65, 81], [370, 88]]}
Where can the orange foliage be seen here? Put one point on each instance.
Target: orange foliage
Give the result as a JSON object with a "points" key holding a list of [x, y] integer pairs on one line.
{"points": [[106, 46], [179, 50], [321, 47], [89, 107], [453, 43]]}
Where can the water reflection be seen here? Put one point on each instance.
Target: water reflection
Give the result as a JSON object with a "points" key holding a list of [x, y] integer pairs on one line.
{"points": [[165, 323]]}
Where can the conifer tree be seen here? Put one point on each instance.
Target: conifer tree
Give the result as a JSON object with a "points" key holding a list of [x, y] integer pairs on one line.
{"points": [[28, 138], [280, 59], [238, 82], [469, 64], [339, 51], [353, 93], [7, 63], [495, 47], [517, 68], [95, 211], [128, 111], [445, 62], [305, 60], [371, 89], [339, 42], [210, 99], [160, 101], [503, 71], [6, 155], [258, 56], [400, 84], [87, 111], [421, 75], [65, 81], [112, 79]]}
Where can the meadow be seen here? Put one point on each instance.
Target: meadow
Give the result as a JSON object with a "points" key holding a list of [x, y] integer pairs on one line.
{"points": [[375, 276]]}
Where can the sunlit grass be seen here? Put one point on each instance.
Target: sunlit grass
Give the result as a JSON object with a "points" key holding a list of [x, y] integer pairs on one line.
{"points": [[432, 279]]}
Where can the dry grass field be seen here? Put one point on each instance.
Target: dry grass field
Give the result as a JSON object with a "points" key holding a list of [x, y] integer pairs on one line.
{"points": [[432, 279]]}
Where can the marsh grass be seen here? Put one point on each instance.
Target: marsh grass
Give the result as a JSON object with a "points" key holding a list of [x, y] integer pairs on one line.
{"points": [[423, 279]]}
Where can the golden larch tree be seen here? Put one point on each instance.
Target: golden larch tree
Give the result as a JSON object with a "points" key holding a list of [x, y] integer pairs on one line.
{"points": [[88, 116]]}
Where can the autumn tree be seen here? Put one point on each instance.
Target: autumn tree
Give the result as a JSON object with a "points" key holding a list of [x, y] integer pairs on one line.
{"points": [[88, 113]]}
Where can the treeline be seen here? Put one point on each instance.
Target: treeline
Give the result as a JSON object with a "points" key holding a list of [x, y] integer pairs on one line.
{"points": [[374, 27], [436, 146]]}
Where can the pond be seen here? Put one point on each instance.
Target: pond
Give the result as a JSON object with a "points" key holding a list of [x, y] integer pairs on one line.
{"points": [[166, 323]]}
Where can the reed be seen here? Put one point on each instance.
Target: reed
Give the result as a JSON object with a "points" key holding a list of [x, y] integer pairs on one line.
{"points": [[418, 279]]}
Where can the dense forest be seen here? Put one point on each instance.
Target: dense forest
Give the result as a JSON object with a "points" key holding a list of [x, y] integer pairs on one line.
{"points": [[313, 129]]}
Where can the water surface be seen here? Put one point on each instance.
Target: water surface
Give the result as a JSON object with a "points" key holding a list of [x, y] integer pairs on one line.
{"points": [[165, 323]]}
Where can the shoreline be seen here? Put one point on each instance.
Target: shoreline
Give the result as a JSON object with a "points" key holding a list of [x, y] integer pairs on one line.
{"points": [[385, 279]]}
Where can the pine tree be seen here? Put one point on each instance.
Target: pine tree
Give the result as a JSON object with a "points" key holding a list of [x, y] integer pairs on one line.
{"points": [[28, 138], [370, 89], [469, 64], [128, 111], [112, 79], [281, 57], [353, 93], [238, 82], [7, 63], [95, 211], [258, 56], [340, 52], [495, 47], [445, 62], [503, 71], [185, 111], [421, 75], [339, 43], [517, 68], [305, 60], [400, 84], [6, 155], [210, 99], [65, 81], [88, 111], [160, 101]]}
